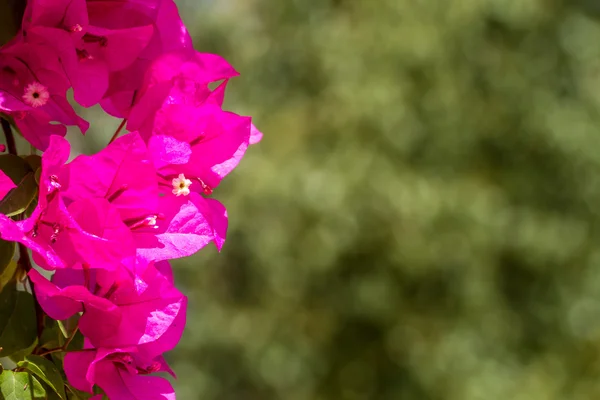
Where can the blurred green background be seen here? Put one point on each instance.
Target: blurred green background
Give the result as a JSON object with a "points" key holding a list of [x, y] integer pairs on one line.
{"points": [[422, 218]]}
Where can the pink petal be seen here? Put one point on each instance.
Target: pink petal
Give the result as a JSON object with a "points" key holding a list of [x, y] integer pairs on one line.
{"points": [[52, 13], [6, 185], [36, 128], [167, 150], [118, 104], [119, 384], [188, 230], [76, 365], [121, 173], [218, 219], [147, 106], [164, 268], [123, 45], [255, 135], [90, 81], [60, 304], [216, 156], [13, 232]]}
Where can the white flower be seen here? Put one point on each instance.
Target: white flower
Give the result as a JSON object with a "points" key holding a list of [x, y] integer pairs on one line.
{"points": [[181, 186]]}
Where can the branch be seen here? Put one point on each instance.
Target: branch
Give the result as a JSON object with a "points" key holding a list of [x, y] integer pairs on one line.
{"points": [[8, 134]]}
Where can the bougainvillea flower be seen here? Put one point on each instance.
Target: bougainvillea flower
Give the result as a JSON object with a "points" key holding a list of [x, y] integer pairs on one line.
{"points": [[218, 140], [57, 238], [119, 309], [94, 39], [101, 51], [61, 303], [186, 224], [70, 15], [169, 35], [33, 91], [119, 373], [88, 230], [162, 227], [153, 313], [120, 173], [87, 75], [179, 77], [6, 185]]}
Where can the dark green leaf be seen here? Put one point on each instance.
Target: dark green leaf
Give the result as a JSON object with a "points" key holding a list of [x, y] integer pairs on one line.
{"points": [[7, 275], [46, 371], [14, 167], [18, 199], [38, 175], [77, 342], [18, 327], [76, 394], [7, 251], [32, 206], [49, 338], [68, 325], [34, 161], [20, 386], [21, 354]]}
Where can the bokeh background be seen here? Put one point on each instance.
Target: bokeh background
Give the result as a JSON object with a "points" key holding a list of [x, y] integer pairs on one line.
{"points": [[422, 218]]}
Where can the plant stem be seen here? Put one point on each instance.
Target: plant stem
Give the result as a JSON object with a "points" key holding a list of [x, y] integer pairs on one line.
{"points": [[25, 263], [8, 134], [70, 338], [121, 126], [64, 346]]}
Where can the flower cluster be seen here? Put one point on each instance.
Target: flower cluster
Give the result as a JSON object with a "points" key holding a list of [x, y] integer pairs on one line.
{"points": [[107, 224]]}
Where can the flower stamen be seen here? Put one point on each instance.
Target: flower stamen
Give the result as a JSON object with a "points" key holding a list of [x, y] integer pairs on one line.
{"points": [[181, 185], [36, 95]]}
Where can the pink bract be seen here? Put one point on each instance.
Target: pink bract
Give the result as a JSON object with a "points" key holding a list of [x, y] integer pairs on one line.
{"points": [[118, 373], [6, 185], [24, 66]]}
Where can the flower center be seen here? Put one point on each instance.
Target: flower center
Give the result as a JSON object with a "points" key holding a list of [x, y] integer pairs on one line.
{"points": [[150, 221], [181, 185], [75, 28], [36, 95]]}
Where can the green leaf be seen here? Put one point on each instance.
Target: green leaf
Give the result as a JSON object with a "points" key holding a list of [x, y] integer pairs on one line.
{"points": [[46, 371], [18, 199], [32, 206], [18, 326], [21, 354], [38, 175], [39, 392], [7, 275], [34, 161], [67, 326], [14, 167], [7, 252], [20, 386], [49, 337], [77, 394], [77, 342]]}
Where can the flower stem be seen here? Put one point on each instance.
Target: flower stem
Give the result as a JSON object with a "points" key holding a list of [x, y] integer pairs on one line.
{"points": [[8, 134], [64, 346], [25, 263], [71, 337], [121, 126]]}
